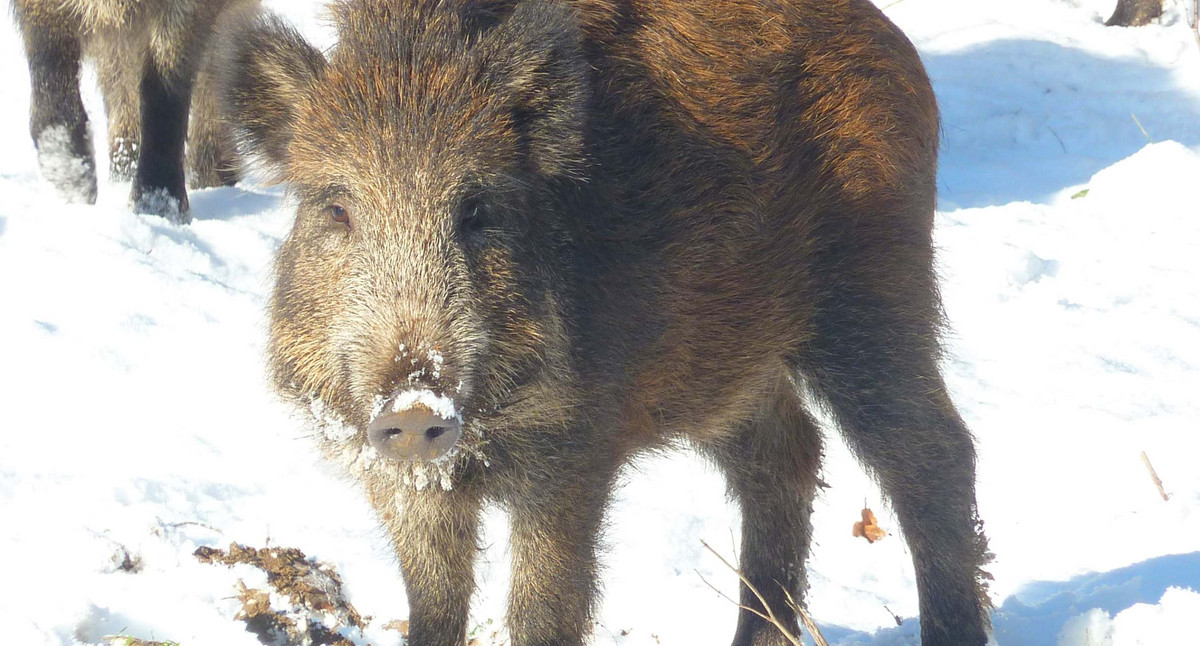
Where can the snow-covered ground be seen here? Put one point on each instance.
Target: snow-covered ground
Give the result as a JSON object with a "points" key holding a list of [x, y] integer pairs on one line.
{"points": [[135, 419]]}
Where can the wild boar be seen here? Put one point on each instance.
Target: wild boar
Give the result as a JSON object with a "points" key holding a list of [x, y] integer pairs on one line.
{"points": [[535, 239], [147, 53]]}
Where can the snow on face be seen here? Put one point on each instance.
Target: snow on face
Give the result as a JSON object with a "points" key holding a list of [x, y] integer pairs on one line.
{"points": [[439, 404], [330, 424], [346, 444], [431, 369]]}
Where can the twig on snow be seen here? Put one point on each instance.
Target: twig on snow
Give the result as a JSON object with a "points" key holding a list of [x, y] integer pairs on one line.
{"points": [[806, 620], [1154, 476], [769, 615], [1139, 125], [1196, 20]]}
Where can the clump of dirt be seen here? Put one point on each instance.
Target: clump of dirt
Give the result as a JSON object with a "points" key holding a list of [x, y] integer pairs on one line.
{"points": [[316, 610]]}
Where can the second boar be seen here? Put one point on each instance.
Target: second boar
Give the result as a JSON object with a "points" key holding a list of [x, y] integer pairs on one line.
{"points": [[147, 54]]}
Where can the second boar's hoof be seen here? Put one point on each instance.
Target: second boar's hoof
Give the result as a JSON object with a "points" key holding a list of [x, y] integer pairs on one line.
{"points": [[413, 433], [160, 201]]}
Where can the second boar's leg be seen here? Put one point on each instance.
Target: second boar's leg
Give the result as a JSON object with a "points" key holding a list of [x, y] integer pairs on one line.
{"points": [[436, 534], [874, 359], [158, 186], [166, 93], [771, 466], [120, 71], [211, 153], [556, 521], [57, 120]]}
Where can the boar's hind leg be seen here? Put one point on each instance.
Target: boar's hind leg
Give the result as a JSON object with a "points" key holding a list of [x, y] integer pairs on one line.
{"points": [[771, 467], [556, 522], [57, 120], [211, 148], [436, 534], [120, 71], [874, 359], [212, 155]]}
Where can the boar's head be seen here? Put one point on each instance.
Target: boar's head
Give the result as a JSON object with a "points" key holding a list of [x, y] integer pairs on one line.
{"points": [[424, 278]]}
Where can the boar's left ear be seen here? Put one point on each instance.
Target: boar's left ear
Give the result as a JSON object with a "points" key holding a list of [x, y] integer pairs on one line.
{"points": [[535, 56], [267, 69]]}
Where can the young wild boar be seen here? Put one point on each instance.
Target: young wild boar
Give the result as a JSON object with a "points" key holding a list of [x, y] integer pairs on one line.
{"points": [[535, 239], [147, 54]]}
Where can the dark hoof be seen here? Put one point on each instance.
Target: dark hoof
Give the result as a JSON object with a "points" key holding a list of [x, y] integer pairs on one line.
{"points": [[160, 201]]}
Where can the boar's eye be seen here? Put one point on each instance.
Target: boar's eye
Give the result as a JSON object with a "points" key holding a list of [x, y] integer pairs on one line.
{"points": [[472, 220], [339, 215]]}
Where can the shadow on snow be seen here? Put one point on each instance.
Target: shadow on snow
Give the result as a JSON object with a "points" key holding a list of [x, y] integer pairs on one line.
{"points": [[230, 203], [1023, 119], [1035, 614]]}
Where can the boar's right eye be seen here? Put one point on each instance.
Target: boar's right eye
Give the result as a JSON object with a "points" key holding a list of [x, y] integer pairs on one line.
{"points": [[339, 214], [472, 220]]}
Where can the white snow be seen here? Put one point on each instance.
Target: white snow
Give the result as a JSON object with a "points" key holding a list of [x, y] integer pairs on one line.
{"points": [[330, 424], [438, 404], [135, 419], [160, 201], [1165, 622], [73, 176], [125, 152]]}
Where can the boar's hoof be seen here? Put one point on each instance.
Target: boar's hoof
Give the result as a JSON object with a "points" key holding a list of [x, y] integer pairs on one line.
{"points": [[413, 434]]}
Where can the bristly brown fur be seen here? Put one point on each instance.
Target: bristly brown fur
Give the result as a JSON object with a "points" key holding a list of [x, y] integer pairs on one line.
{"points": [[148, 54], [605, 227]]}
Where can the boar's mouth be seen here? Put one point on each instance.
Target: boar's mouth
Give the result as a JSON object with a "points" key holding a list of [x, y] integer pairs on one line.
{"points": [[415, 426]]}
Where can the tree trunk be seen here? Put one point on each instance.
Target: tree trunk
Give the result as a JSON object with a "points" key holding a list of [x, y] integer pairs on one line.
{"points": [[1135, 13]]}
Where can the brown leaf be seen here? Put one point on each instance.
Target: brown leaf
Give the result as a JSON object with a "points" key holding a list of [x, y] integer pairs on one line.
{"points": [[398, 625], [867, 528]]}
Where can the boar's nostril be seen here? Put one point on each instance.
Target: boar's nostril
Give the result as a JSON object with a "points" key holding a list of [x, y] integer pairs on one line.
{"points": [[414, 433]]}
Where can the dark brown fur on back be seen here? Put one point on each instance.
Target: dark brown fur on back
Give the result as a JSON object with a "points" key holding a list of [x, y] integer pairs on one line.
{"points": [[604, 227]]}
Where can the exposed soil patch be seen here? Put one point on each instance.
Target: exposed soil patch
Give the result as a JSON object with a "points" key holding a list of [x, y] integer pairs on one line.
{"points": [[305, 606]]}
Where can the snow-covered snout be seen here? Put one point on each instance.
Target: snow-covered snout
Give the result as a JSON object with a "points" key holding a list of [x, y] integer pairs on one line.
{"points": [[409, 338], [415, 425]]}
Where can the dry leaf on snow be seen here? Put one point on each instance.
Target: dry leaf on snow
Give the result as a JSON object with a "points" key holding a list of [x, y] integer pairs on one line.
{"points": [[867, 527]]}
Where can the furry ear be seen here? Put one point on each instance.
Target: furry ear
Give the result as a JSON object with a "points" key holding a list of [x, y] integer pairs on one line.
{"points": [[267, 69], [535, 56]]}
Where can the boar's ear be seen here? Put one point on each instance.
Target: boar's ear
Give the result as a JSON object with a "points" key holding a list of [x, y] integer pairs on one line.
{"points": [[267, 69], [536, 58]]}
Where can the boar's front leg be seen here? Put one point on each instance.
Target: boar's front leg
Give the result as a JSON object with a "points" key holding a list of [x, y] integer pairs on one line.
{"points": [[556, 521], [436, 536], [158, 184], [165, 95], [770, 467], [57, 120]]}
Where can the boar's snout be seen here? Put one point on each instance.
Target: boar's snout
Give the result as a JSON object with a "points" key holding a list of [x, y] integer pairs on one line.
{"points": [[414, 431]]}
